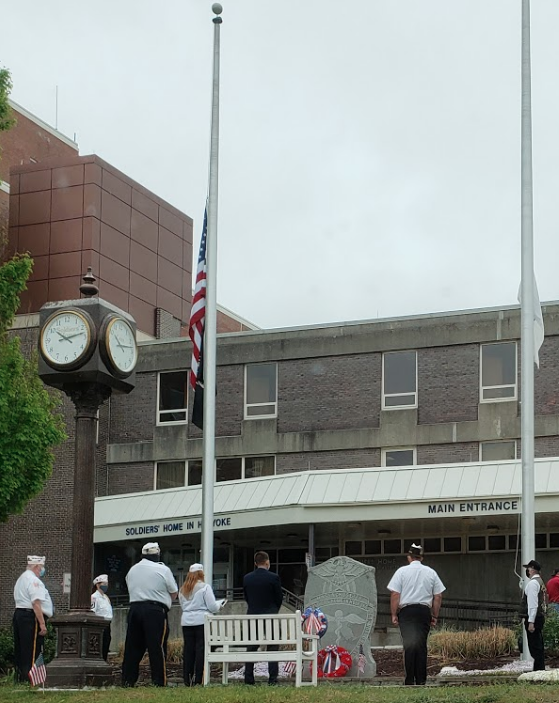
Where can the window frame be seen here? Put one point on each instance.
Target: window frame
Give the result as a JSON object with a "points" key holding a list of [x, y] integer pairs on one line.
{"points": [[384, 451], [158, 412], [498, 441], [508, 399], [246, 405], [169, 461], [395, 395]]}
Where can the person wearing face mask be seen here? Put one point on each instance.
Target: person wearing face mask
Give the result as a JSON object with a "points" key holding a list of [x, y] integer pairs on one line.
{"points": [[101, 605], [532, 611], [33, 608]]}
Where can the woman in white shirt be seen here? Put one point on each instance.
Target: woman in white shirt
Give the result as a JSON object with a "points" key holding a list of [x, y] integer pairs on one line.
{"points": [[101, 605], [196, 599]]}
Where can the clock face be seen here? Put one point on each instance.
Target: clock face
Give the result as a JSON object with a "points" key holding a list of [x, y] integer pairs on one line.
{"points": [[120, 341], [66, 339]]}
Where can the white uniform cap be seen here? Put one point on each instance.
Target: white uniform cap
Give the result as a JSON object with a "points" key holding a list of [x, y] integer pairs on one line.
{"points": [[196, 567], [151, 548], [33, 560], [102, 578]]}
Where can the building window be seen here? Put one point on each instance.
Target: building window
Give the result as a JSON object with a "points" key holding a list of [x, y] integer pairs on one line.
{"points": [[399, 380], [194, 473], [256, 466], [452, 544], [261, 390], [398, 457], [229, 469], [169, 474], [498, 371], [172, 394], [497, 451]]}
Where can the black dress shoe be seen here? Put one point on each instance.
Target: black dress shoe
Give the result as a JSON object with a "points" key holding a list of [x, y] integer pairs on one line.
{"points": [[273, 682]]}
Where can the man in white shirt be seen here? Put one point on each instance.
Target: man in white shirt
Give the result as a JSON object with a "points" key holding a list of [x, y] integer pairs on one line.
{"points": [[532, 608], [33, 607], [152, 588], [415, 601]]}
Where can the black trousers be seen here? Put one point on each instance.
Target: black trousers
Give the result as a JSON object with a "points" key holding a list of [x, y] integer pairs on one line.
{"points": [[147, 629], [535, 642], [193, 654], [28, 643], [415, 623], [106, 642], [273, 667]]}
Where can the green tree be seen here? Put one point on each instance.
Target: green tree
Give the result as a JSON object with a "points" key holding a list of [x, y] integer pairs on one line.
{"points": [[30, 425], [6, 115]]}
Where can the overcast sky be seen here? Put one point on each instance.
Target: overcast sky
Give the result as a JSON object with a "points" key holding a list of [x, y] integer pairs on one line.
{"points": [[369, 151]]}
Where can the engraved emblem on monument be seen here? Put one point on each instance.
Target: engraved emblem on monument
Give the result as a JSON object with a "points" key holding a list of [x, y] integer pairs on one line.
{"points": [[346, 592]]}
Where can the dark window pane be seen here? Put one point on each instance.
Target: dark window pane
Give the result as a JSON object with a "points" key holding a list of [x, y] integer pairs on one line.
{"points": [[194, 473], [261, 383], [322, 553], [541, 541], [256, 466], [432, 545], [554, 539], [353, 548], [392, 546], [170, 474], [257, 410], [172, 390], [373, 546], [394, 401], [513, 539], [452, 544], [498, 451], [490, 393], [476, 544], [496, 542], [498, 364], [400, 372], [399, 457], [291, 556], [228, 469]]}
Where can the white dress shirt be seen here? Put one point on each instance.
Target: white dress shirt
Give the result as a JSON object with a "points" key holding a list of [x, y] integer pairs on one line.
{"points": [[101, 605], [532, 591], [201, 601], [151, 580], [416, 584], [29, 588]]}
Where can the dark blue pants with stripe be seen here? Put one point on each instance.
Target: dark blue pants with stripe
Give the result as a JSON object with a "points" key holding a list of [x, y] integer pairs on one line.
{"points": [[147, 629], [28, 643]]}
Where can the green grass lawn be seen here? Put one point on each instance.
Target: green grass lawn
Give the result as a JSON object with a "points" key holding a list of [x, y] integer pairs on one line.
{"points": [[329, 693]]}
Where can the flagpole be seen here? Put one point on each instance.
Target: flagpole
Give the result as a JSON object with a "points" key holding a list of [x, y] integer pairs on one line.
{"points": [[527, 300], [210, 331]]}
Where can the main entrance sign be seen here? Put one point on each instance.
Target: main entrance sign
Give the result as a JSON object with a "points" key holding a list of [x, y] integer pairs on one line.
{"points": [[477, 506]]}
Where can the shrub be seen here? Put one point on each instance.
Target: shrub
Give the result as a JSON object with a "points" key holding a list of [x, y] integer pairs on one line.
{"points": [[7, 647], [484, 643]]}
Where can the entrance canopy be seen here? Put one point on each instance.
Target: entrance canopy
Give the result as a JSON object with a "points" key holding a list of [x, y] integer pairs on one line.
{"points": [[449, 490]]}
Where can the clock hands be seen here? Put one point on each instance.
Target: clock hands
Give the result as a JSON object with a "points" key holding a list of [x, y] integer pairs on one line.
{"points": [[69, 337]]}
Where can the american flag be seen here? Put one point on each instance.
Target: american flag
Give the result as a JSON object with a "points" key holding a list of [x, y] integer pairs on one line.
{"points": [[196, 330], [38, 672], [289, 668], [361, 661]]}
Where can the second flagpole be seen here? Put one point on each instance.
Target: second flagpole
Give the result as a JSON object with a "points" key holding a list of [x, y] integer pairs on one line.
{"points": [[210, 332]]}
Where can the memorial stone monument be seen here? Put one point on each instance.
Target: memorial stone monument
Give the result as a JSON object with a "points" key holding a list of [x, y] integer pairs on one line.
{"points": [[346, 592]]}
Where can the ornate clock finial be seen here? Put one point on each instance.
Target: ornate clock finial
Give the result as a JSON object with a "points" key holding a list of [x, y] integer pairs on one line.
{"points": [[88, 288]]}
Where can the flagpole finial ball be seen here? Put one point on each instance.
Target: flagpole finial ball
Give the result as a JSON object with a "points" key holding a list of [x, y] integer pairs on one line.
{"points": [[217, 9]]}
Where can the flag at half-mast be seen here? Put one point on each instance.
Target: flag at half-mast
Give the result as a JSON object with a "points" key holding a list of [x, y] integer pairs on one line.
{"points": [[196, 330]]}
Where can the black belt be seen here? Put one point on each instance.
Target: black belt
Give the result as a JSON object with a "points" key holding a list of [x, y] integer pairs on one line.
{"points": [[27, 610], [151, 602], [421, 605]]}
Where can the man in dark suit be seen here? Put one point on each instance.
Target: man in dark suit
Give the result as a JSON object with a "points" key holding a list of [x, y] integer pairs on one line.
{"points": [[263, 595]]}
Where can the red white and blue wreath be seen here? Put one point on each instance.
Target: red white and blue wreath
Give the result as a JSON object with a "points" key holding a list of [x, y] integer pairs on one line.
{"points": [[333, 662], [314, 622]]}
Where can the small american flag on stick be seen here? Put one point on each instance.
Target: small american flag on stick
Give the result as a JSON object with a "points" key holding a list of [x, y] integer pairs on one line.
{"points": [[361, 661], [289, 668], [196, 331], [38, 672]]}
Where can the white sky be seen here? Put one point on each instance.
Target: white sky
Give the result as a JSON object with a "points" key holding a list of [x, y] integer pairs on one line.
{"points": [[369, 151]]}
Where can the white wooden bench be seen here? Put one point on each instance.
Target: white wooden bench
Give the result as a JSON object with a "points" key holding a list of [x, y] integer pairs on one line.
{"points": [[228, 636]]}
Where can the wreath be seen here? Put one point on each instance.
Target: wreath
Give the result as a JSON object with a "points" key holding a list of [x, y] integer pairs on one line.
{"points": [[314, 622], [333, 662]]}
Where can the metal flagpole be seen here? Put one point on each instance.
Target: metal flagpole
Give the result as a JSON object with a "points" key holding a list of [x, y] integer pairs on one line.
{"points": [[527, 304], [210, 346]]}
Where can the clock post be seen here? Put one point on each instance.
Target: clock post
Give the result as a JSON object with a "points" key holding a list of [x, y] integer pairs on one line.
{"points": [[87, 348]]}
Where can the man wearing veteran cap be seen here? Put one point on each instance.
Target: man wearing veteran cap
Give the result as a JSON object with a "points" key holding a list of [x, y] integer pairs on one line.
{"points": [[532, 611], [101, 606], [33, 607], [152, 588], [415, 601]]}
